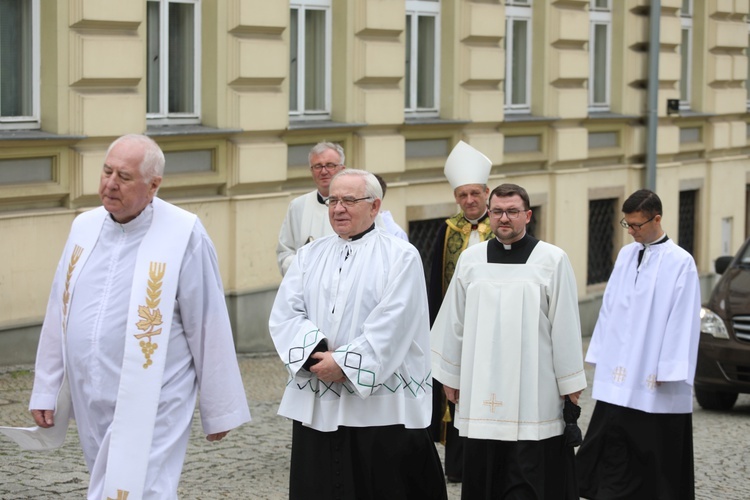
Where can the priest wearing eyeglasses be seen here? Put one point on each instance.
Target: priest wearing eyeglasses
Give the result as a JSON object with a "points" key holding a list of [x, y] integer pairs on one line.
{"points": [[639, 443], [350, 324], [307, 216], [507, 347]]}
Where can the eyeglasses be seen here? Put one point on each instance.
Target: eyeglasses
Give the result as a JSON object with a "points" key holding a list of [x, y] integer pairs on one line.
{"points": [[328, 166], [636, 227], [346, 202], [512, 213]]}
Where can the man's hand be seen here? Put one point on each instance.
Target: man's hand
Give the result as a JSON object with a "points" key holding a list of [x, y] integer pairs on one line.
{"points": [[218, 436], [574, 397], [326, 368], [451, 394], [44, 418]]}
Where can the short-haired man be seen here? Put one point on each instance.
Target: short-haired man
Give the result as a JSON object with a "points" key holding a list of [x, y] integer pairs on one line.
{"points": [[639, 443], [350, 324], [136, 326], [467, 170], [507, 348], [307, 216]]}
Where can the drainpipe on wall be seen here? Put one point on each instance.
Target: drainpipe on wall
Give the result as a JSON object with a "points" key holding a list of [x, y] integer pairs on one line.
{"points": [[654, 43]]}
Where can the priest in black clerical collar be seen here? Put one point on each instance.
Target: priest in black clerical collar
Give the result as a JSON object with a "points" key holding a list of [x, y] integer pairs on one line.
{"points": [[509, 216], [529, 344]]}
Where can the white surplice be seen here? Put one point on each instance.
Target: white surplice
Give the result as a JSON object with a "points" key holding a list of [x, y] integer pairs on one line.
{"points": [[509, 337], [306, 219], [391, 226], [200, 353], [371, 308], [648, 331]]}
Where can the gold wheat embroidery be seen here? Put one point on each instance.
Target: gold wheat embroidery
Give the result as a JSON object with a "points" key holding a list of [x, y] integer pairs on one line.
{"points": [[150, 314], [77, 251], [121, 495]]}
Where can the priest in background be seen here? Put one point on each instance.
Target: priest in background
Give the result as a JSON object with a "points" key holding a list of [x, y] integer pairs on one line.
{"points": [[307, 216], [639, 443], [467, 170], [136, 326], [507, 348], [350, 324], [390, 225]]}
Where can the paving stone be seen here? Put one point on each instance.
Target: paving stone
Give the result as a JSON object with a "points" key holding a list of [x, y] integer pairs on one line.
{"points": [[253, 461]]}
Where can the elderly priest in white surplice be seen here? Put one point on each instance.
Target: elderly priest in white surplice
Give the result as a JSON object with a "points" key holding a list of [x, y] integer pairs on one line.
{"points": [[136, 325], [350, 324]]}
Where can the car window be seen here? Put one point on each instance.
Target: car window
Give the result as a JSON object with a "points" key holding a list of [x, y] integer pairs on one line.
{"points": [[745, 257]]}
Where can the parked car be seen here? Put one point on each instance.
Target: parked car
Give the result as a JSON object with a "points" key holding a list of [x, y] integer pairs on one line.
{"points": [[723, 369]]}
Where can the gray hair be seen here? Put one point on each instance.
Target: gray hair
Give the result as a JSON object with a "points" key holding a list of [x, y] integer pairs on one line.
{"points": [[372, 186], [153, 157], [321, 147]]}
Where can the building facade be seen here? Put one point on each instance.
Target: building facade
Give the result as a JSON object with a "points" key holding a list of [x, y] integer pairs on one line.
{"points": [[237, 91]]}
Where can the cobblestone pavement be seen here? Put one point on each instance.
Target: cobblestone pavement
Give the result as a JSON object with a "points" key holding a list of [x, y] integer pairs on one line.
{"points": [[253, 461]]}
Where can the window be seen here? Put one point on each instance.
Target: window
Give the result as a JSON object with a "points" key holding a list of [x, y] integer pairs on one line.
{"points": [[601, 240], [421, 84], [19, 64], [686, 50], [687, 214], [423, 234], [600, 48], [310, 59], [173, 66], [517, 56]]}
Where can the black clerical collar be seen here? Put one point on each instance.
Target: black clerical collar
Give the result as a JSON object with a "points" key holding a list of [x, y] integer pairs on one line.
{"points": [[321, 200], [360, 235], [661, 240], [518, 253]]}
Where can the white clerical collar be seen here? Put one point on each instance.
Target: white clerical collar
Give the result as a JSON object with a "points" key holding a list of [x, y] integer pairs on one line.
{"points": [[142, 218], [474, 222]]}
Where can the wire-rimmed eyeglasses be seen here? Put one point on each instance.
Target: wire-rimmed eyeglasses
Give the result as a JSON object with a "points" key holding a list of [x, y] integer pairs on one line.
{"points": [[636, 227], [346, 201]]}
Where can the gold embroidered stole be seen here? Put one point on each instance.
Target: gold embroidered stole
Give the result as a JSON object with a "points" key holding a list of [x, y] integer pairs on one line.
{"points": [[456, 240], [152, 299]]}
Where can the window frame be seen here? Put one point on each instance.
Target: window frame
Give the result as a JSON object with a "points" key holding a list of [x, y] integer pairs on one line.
{"points": [[164, 117], [600, 17], [517, 11], [32, 121], [303, 6], [686, 63], [417, 9]]}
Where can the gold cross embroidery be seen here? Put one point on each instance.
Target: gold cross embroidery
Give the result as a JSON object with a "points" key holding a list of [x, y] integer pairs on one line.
{"points": [[492, 402], [121, 495], [619, 374]]}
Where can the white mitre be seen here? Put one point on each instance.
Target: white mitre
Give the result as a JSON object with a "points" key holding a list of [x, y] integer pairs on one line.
{"points": [[466, 165]]}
